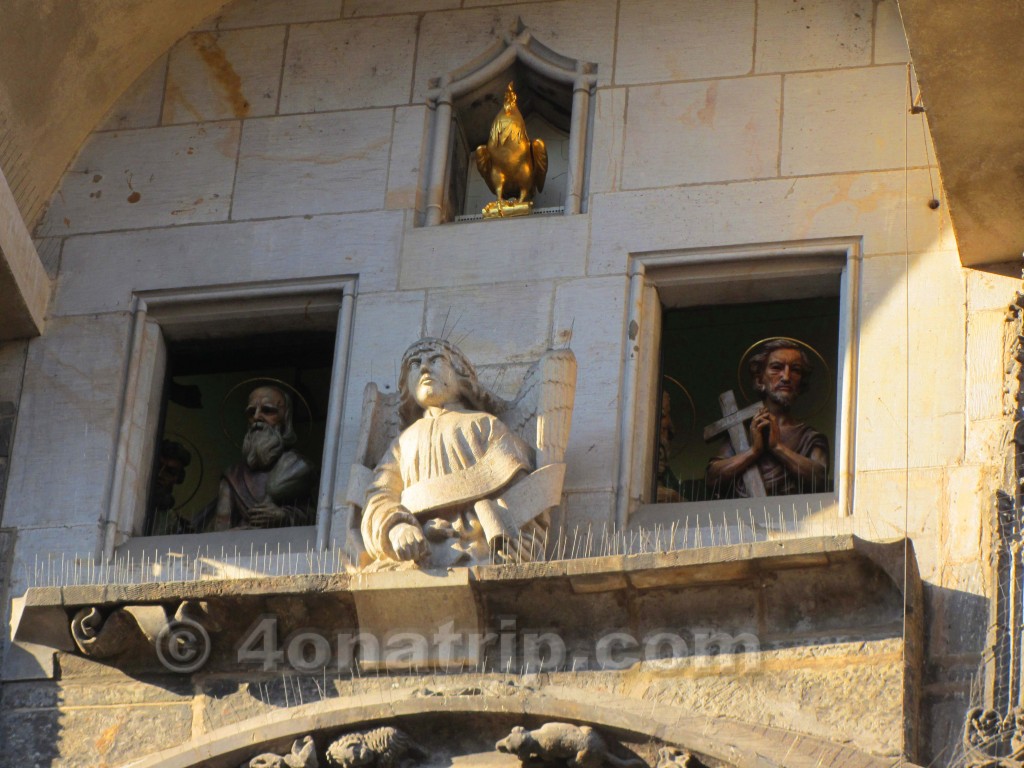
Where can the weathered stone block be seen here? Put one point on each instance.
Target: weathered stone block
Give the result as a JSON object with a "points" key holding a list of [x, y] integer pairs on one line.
{"points": [[6, 429], [328, 164], [576, 619], [793, 689], [388, 7], [773, 210], [897, 503], [694, 614], [147, 178], [609, 135], [37, 559], [95, 736], [408, 153], [990, 290], [227, 701], [812, 34], [955, 621], [971, 500], [508, 322], [581, 29], [589, 318], [140, 105], [155, 689], [585, 511], [75, 376], [349, 64], [988, 437], [222, 75], [533, 248], [719, 130], [482, 3], [986, 361], [937, 393], [845, 601], [49, 249], [881, 373], [260, 13], [385, 326], [890, 39], [103, 270], [37, 694], [12, 369], [692, 40], [3, 483], [849, 120]]}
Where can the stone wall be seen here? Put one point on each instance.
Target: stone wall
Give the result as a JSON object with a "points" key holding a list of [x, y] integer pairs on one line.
{"points": [[794, 650], [285, 140]]}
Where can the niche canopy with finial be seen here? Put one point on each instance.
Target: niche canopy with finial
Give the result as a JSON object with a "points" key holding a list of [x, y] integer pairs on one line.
{"points": [[552, 96]]}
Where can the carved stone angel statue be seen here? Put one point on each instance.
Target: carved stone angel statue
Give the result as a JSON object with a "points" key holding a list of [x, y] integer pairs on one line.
{"points": [[471, 477]]}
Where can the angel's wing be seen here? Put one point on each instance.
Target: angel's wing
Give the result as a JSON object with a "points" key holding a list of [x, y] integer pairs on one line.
{"points": [[542, 411], [377, 428], [483, 164], [540, 164]]}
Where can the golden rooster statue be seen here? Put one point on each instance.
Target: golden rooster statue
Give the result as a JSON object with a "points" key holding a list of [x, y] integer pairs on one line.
{"points": [[510, 163]]}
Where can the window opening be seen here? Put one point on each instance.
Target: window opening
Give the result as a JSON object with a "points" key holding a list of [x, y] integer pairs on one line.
{"points": [[806, 290], [705, 352], [204, 426]]}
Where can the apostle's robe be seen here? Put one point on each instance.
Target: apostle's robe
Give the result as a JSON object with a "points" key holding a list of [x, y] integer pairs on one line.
{"points": [[434, 475], [288, 484], [778, 481]]}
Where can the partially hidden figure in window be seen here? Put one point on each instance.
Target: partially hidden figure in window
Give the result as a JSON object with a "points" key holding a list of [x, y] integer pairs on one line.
{"points": [[782, 455], [471, 477], [272, 485]]}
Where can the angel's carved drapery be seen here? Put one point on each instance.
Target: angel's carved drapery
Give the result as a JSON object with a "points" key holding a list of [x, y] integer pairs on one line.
{"points": [[475, 478]]}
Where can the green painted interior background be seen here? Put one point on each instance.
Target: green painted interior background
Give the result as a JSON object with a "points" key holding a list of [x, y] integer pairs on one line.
{"points": [[213, 432], [701, 352]]}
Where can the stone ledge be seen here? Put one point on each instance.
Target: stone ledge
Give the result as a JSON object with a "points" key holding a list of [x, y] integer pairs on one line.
{"points": [[783, 594], [704, 566]]}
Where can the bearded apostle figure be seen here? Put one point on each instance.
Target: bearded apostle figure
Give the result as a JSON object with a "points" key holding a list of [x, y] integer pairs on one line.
{"points": [[272, 486]]}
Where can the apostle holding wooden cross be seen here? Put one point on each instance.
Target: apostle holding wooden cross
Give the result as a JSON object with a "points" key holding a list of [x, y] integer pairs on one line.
{"points": [[782, 456]]}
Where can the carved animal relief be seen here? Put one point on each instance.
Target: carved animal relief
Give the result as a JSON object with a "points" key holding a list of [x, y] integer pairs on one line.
{"points": [[563, 744]]}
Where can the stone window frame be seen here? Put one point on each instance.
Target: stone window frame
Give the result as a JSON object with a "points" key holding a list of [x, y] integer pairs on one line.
{"points": [[521, 46], [700, 276], [221, 311]]}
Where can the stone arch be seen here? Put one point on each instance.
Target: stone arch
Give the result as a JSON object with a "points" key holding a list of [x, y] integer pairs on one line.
{"points": [[727, 742]]}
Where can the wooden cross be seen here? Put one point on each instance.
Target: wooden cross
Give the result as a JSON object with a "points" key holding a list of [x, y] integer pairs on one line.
{"points": [[732, 421]]}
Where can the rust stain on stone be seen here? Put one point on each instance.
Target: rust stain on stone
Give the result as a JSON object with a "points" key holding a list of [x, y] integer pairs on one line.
{"points": [[222, 71], [134, 197], [106, 738], [706, 114], [843, 195]]}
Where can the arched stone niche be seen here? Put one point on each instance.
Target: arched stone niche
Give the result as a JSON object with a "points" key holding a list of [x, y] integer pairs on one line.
{"points": [[555, 99]]}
